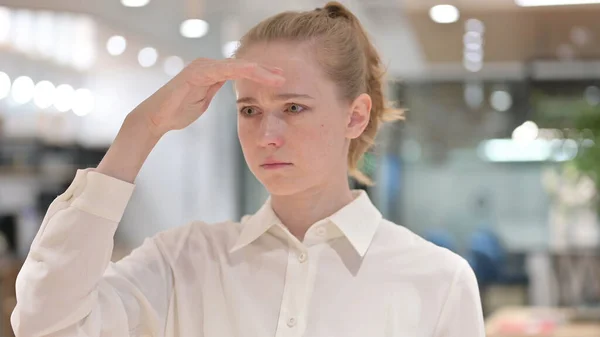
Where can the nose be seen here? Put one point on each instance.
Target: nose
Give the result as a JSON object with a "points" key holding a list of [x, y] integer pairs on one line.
{"points": [[272, 129]]}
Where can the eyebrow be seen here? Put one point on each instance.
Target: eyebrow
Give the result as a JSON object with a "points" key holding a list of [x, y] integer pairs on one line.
{"points": [[280, 97]]}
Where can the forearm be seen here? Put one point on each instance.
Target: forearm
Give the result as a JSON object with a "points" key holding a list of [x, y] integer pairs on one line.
{"points": [[57, 285], [129, 151]]}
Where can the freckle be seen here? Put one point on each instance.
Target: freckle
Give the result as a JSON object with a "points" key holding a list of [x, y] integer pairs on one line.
{"points": [[322, 125]]}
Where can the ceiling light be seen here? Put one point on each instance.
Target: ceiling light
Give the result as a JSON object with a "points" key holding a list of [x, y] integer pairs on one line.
{"points": [[23, 30], [474, 25], [147, 57], [473, 40], [45, 33], [173, 65], [22, 89], [444, 14], [134, 3], [5, 16], [472, 66], [193, 28], [63, 99], [473, 56], [64, 42], [43, 95], [537, 3], [116, 45], [83, 102], [84, 56], [501, 100]]}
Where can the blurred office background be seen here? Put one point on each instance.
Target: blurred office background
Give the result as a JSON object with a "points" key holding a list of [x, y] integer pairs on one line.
{"points": [[497, 160]]}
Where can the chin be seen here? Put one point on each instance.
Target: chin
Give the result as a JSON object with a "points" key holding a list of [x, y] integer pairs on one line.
{"points": [[282, 185]]}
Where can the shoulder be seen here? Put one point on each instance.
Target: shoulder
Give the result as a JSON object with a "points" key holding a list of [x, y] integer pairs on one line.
{"points": [[435, 278], [197, 237], [409, 251]]}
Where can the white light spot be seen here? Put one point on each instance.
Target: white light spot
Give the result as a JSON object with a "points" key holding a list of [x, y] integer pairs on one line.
{"points": [[44, 94], [116, 45], [193, 28], [173, 65], [63, 100], [22, 89], [147, 57], [501, 100]]}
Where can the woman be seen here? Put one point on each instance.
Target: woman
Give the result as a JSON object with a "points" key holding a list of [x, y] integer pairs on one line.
{"points": [[316, 260]]}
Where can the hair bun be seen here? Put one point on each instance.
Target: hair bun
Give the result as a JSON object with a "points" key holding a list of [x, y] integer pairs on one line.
{"points": [[335, 10]]}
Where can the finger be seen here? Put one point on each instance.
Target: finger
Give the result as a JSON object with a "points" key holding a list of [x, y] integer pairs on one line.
{"points": [[234, 69], [275, 70], [235, 65], [263, 75], [241, 69]]}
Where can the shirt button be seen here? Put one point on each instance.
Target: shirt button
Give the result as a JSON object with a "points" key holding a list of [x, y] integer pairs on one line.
{"points": [[321, 231], [291, 322], [302, 257]]}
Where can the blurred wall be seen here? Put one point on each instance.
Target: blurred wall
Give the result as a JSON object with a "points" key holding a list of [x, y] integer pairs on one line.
{"points": [[446, 196]]}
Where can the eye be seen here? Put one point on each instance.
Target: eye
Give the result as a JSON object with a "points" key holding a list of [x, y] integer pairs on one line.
{"points": [[248, 111], [295, 108]]}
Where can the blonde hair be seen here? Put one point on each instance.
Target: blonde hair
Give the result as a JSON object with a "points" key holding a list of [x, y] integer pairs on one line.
{"points": [[347, 56]]}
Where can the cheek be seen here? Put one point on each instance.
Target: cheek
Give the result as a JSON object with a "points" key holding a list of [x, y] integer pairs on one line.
{"points": [[245, 135], [323, 143]]}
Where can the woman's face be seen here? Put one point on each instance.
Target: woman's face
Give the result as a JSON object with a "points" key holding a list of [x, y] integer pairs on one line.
{"points": [[294, 137]]}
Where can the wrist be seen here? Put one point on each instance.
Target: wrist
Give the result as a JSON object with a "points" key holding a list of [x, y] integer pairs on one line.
{"points": [[129, 151], [142, 126]]}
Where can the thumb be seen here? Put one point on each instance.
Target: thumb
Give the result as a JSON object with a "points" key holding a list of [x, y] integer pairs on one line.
{"points": [[210, 93]]}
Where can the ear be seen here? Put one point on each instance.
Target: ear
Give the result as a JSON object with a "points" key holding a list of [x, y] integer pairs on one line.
{"points": [[360, 112]]}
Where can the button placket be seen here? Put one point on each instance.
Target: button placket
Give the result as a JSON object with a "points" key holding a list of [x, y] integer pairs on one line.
{"points": [[292, 306]]}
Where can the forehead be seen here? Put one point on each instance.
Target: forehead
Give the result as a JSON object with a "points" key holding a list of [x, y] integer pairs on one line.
{"points": [[300, 68]]}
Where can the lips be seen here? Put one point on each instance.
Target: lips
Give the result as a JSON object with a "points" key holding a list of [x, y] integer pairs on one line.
{"points": [[273, 164]]}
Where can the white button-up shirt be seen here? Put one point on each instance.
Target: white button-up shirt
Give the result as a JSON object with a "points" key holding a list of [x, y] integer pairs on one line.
{"points": [[354, 274]]}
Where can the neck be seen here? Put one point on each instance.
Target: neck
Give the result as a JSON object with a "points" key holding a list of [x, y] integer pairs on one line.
{"points": [[301, 210]]}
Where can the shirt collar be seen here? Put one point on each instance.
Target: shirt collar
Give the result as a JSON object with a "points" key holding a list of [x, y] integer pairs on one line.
{"points": [[357, 221], [256, 225]]}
